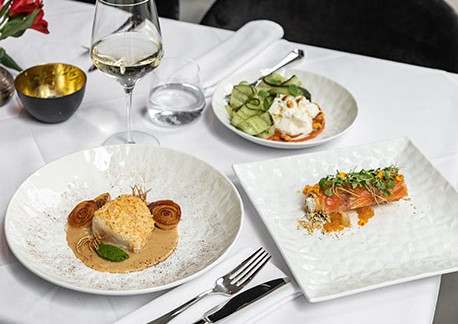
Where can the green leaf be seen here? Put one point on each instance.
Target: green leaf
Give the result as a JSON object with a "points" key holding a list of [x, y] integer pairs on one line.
{"points": [[267, 103], [263, 93], [328, 192], [380, 185], [387, 193], [293, 89], [386, 174], [111, 253], [8, 61], [5, 8], [390, 184], [17, 26]]}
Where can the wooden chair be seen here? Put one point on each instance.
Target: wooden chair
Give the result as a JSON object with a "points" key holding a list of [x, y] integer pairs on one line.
{"points": [[420, 32]]}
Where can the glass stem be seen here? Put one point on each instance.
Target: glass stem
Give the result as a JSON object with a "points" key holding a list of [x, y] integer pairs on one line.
{"points": [[128, 91]]}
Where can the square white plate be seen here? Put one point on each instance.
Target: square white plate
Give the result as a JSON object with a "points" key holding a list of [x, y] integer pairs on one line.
{"points": [[405, 240]]}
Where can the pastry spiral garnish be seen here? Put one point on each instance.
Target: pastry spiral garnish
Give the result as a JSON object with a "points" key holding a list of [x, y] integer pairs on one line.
{"points": [[102, 199], [166, 213], [82, 213]]}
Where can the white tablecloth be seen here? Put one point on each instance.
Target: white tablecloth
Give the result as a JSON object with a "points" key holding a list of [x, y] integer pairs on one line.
{"points": [[394, 100]]}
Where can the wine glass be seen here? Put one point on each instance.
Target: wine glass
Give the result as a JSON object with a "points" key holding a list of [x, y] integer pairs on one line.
{"points": [[126, 44]]}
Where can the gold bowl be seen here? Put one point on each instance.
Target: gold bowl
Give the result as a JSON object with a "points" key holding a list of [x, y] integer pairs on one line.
{"points": [[51, 92]]}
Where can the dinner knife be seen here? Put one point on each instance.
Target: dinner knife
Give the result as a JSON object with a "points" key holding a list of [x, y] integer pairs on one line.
{"points": [[242, 300]]}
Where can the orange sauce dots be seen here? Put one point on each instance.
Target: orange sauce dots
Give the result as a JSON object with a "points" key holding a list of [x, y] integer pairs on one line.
{"points": [[309, 189], [337, 222], [364, 214]]}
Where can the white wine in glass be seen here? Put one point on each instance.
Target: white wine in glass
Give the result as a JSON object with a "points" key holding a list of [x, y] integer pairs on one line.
{"points": [[126, 45]]}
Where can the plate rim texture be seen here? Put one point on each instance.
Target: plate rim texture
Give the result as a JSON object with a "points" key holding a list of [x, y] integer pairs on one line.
{"points": [[39, 271], [345, 121], [429, 266]]}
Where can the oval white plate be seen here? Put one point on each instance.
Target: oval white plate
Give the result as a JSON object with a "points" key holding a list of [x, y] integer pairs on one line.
{"points": [[338, 104], [37, 214]]}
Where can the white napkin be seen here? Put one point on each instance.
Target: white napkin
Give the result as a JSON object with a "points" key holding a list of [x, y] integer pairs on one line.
{"points": [[247, 42], [181, 294]]}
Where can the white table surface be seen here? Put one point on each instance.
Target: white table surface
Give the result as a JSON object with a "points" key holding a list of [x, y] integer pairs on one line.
{"points": [[394, 100]]}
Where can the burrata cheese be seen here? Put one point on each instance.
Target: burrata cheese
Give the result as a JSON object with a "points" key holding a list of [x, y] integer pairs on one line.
{"points": [[293, 115]]}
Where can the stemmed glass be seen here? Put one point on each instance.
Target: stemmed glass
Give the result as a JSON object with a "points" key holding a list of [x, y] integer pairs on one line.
{"points": [[126, 44]]}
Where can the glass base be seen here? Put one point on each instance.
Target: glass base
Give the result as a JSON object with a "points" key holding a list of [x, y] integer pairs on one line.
{"points": [[138, 137]]}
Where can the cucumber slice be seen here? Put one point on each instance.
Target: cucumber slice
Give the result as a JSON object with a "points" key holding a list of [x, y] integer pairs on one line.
{"points": [[256, 124], [254, 104], [273, 79], [292, 80], [243, 114], [240, 94], [229, 110], [279, 91], [267, 133]]}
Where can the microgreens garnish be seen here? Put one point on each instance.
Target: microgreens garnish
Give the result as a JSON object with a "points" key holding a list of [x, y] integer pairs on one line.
{"points": [[381, 179]]}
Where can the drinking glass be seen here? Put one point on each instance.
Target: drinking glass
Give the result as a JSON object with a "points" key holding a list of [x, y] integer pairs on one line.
{"points": [[126, 44], [176, 97]]}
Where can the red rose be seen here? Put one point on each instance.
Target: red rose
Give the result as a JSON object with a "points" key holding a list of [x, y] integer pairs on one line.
{"points": [[2, 2], [24, 7], [39, 23]]}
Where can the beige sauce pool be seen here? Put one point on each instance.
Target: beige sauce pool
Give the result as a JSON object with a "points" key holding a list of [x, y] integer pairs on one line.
{"points": [[160, 246]]}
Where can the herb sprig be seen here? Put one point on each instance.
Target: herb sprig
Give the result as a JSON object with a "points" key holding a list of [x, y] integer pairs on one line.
{"points": [[381, 179]]}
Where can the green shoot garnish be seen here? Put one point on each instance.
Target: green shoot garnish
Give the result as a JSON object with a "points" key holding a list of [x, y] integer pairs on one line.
{"points": [[382, 179]]}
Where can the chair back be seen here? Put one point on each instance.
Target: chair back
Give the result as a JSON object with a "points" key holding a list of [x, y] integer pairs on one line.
{"points": [[165, 8], [421, 32]]}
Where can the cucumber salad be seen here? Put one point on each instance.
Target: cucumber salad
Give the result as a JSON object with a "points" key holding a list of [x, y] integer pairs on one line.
{"points": [[277, 109]]}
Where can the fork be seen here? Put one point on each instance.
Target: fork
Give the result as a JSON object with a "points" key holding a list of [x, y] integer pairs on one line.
{"points": [[295, 55], [227, 285]]}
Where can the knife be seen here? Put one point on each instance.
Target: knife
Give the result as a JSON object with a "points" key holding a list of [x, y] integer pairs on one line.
{"points": [[242, 300]]}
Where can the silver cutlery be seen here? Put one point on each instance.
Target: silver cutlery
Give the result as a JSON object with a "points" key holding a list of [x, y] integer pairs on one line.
{"points": [[295, 55], [227, 285], [242, 300]]}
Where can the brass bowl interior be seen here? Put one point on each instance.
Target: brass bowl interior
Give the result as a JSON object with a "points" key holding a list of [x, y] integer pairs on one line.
{"points": [[50, 80]]}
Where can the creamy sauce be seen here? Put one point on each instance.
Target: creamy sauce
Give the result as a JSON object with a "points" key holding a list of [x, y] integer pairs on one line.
{"points": [[159, 247]]}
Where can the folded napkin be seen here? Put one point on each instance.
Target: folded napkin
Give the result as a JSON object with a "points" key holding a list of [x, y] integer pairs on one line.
{"points": [[245, 44], [181, 294]]}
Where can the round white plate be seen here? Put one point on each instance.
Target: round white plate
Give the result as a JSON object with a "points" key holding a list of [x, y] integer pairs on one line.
{"points": [[338, 104], [37, 214]]}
